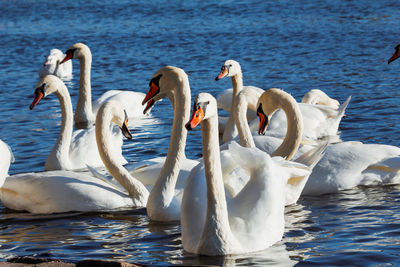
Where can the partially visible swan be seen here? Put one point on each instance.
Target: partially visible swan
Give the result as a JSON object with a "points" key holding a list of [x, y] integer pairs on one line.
{"points": [[318, 97], [349, 164], [168, 176], [395, 55], [84, 113], [72, 151], [52, 65], [63, 191], [319, 121], [231, 68], [6, 158], [251, 220]]}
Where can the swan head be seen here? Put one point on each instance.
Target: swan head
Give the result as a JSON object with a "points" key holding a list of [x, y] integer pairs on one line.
{"points": [[78, 50], [204, 107], [267, 104], [45, 86], [229, 68], [162, 84], [54, 57]]}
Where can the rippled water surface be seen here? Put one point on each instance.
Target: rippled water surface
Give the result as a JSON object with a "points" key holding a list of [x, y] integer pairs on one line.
{"points": [[338, 46]]}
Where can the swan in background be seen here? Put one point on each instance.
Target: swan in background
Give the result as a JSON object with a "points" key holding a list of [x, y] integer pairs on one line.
{"points": [[232, 68], [216, 223], [319, 121], [318, 97], [85, 111], [6, 158], [52, 65], [63, 191], [72, 151], [350, 164], [167, 177]]}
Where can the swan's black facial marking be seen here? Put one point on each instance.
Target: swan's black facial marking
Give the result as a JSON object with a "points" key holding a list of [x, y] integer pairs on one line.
{"points": [[202, 105], [69, 54], [263, 120], [39, 94], [124, 129], [154, 89], [198, 114]]}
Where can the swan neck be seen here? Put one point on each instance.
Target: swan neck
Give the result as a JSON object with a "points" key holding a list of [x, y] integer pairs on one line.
{"points": [[163, 191], [239, 112], [293, 137], [136, 190], [84, 113], [216, 226], [60, 151]]}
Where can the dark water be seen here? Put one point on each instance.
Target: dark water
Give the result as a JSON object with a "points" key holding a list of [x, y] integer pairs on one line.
{"points": [[338, 46]]}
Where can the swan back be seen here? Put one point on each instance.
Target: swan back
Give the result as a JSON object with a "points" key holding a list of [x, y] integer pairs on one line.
{"points": [[318, 97]]}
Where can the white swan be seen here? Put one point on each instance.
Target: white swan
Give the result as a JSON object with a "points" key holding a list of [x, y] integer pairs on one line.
{"points": [[63, 191], [318, 97], [84, 113], [72, 151], [319, 121], [52, 65], [169, 175], [251, 220], [6, 158], [349, 164]]}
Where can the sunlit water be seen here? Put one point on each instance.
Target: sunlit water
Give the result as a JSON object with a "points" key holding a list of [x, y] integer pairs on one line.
{"points": [[338, 46]]}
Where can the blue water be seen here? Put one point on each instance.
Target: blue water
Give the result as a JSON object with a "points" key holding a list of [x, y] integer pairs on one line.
{"points": [[338, 46]]}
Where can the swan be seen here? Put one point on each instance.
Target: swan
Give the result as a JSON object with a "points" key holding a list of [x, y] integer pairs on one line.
{"points": [[350, 164], [52, 65], [251, 220], [7, 157], [319, 97], [319, 121], [84, 113], [63, 191], [73, 150], [167, 177]]}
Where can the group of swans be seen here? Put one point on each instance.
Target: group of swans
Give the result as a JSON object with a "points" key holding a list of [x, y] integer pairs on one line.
{"points": [[319, 120], [230, 201]]}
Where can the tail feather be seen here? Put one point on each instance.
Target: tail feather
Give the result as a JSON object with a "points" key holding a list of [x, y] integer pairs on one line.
{"points": [[312, 157]]}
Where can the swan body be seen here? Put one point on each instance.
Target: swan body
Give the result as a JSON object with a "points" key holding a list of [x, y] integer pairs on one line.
{"points": [[6, 158], [349, 164], [72, 151], [250, 220], [52, 65], [319, 120], [63, 191], [84, 113]]}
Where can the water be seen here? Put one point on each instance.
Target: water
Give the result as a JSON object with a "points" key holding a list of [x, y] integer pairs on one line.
{"points": [[338, 46]]}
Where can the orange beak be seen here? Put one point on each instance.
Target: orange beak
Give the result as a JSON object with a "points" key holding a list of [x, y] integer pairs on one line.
{"points": [[263, 123], [38, 96], [68, 56], [149, 105], [197, 117], [153, 91], [222, 74], [395, 55], [125, 129]]}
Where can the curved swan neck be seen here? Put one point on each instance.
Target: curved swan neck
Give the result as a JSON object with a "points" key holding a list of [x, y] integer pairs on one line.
{"points": [[163, 190], [294, 118], [60, 151], [84, 113], [136, 189], [216, 231]]}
